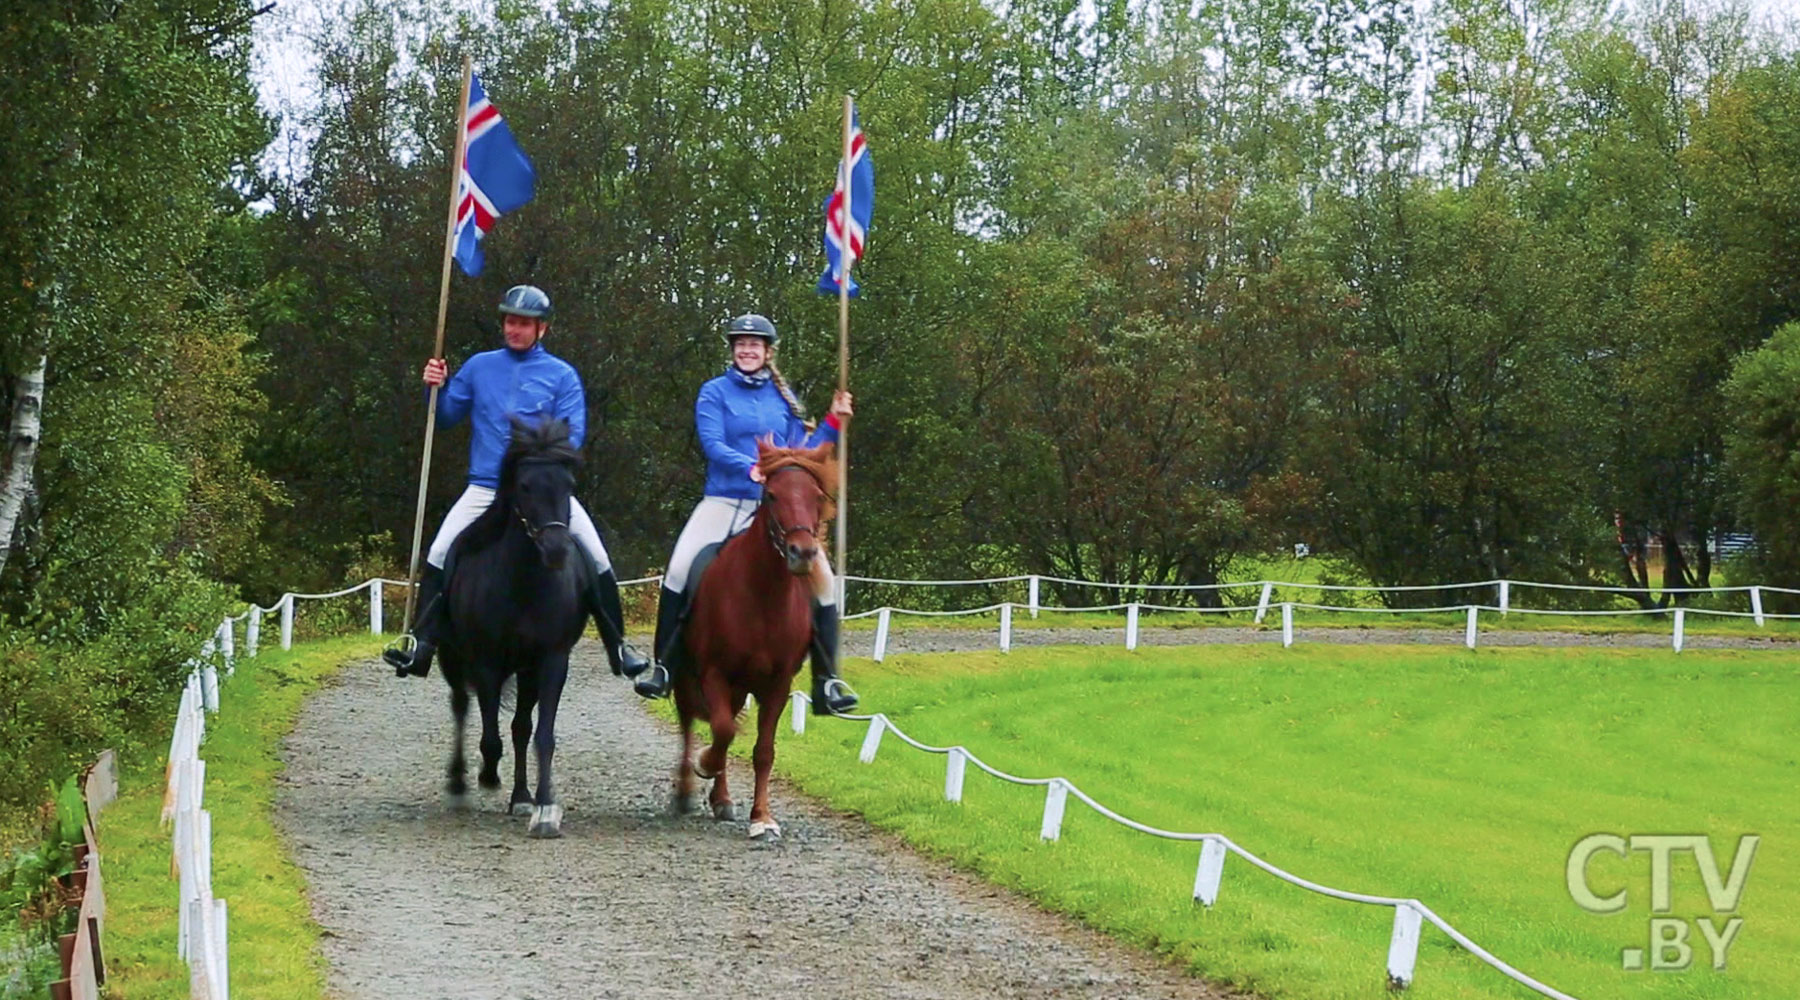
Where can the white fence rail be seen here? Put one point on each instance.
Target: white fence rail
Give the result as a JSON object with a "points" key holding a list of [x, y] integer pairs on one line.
{"points": [[1403, 943], [201, 938]]}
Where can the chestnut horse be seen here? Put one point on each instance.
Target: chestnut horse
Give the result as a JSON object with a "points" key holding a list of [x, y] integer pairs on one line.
{"points": [[750, 625]]}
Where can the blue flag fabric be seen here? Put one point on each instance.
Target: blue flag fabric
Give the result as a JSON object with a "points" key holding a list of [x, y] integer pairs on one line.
{"points": [[841, 232], [497, 177]]}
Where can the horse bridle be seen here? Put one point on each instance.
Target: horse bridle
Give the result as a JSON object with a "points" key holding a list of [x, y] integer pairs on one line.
{"points": [[778, 532], [532, 531]]}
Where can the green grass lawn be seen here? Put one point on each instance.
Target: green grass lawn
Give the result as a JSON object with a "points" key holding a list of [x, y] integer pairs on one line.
{"points": [[1462, 779], [273, 939]]}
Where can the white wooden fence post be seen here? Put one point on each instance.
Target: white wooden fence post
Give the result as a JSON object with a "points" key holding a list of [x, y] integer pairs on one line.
{"points": [[1680, 623], [1006, 627], [1056, 793], [1469, 632], [882, 620], [1505, 595], [1287, 624], [797, 711], [375, 622], [1211, 869], [1131, 626], [228, 645], [1262, 603], [209, 686], [1756, 610], [287, 621], [253, 631], [220, 951], [1403, 946], [872, 739], [1031, 597], [953, 774]]}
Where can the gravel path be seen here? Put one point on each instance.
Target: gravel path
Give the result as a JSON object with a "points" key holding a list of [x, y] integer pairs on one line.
{"points": [[419, 901]]}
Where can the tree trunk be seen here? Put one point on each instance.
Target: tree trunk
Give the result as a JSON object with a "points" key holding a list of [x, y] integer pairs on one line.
{"points": [[21, 451], [1675, 570]]}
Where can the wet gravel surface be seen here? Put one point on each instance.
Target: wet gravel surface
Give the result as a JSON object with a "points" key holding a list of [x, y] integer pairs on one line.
{"points": [[421, 900]]}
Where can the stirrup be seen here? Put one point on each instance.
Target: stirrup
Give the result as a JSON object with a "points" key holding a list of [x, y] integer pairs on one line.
{"points": [[835, 696], [400, 653], [654, 684]]}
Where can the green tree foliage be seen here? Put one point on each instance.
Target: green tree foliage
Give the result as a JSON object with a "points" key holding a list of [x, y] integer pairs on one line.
{"points": [[129, 128], [1762, 449], [1153, 287]]}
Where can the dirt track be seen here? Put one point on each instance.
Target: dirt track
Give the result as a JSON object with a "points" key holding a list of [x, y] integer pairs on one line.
{"points": [[419, 901]]}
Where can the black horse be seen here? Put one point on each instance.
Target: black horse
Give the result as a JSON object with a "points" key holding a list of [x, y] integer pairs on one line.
{"points": [[515, 608]]}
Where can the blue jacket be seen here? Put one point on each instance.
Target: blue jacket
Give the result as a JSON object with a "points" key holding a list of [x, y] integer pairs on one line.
{"points": [[494, 385], [731, 413]]}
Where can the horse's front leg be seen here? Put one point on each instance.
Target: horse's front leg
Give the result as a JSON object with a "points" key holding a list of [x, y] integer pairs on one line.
{"points": [[681, 799], [553, 669], [723, 718], [457, 783], [527, 696], [487, 696], [768, 715]]}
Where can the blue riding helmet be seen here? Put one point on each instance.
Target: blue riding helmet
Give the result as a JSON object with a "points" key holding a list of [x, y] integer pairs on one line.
{"points": [[753, 325], [526, 300]]}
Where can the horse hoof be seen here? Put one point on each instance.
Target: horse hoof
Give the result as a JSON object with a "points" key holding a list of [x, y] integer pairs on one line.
{"points": [[725, 811], [489, 781], [456, 787], [546, 822], [765, 831], [681, 805], [520, 805], [702, 773], [457, 801]]}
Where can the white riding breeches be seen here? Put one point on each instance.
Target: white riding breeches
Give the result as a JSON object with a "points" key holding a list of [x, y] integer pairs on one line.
{"points": [[476, 499], [716, 519]]}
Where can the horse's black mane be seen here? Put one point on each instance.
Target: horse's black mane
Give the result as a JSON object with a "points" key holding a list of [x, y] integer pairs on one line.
{"points": [[547, 441]]}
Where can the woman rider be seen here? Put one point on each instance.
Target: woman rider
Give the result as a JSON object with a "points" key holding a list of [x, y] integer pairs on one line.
{"points": [[519, 380], [750, 400]]}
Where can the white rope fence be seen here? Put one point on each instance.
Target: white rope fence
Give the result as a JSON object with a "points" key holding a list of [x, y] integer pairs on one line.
{"points": [[1403, 942]]}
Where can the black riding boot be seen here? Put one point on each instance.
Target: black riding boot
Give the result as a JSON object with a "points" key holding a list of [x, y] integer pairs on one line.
{"points": [[670, 607], [609, 618], [427, 628], [830, 695]]}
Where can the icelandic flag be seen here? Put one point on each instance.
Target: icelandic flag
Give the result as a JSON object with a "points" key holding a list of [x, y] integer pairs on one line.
{"points": [[862, 209], [496, 177]]}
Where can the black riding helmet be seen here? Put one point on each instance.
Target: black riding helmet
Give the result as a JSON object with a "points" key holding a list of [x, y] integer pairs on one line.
{"points": [[753, 325], [526, 300]]}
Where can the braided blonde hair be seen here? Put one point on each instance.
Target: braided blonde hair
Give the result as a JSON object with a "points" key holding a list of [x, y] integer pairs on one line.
{"points": [[787, 393]]}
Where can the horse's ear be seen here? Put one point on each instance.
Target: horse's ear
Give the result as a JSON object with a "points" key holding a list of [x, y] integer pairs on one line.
{"points": [[764, 446]]}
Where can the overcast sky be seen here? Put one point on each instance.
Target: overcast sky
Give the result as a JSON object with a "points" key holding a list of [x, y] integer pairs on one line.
{"points": [[283, 69]]}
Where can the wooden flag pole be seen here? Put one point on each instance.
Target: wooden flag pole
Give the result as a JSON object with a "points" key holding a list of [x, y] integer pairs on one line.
{"points": [[843, 446], [437, 351]]}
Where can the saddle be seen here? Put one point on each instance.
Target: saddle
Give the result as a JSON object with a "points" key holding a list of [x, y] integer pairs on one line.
{"points": [[675, 655]]}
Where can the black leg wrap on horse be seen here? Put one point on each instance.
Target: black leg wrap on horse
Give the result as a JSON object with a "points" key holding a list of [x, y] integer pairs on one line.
{"points": [[671, 607], [427, 628], [830, 695], [609, 618]]}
